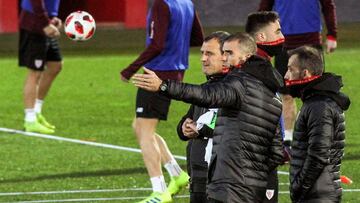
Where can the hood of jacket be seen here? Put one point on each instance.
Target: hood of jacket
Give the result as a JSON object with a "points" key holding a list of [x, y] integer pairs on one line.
{"points": [[263, 70], [329, 85]]}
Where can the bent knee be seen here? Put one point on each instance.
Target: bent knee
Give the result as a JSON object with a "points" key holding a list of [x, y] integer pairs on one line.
{"points": [[54, 68], [57, 69]]}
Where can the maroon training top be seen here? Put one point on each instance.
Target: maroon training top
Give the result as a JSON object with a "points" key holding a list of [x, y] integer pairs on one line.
{"points": [[37, 21], [161, 18], [293, 41]]}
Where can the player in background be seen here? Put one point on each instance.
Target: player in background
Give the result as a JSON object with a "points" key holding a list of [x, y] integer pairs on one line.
{"points": [[198, 124], [301, 25], [172, 27], [39, 52]]}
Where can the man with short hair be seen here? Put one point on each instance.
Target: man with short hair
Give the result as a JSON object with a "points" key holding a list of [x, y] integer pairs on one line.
{"points": [[39, 52], [264, 26], [198, 124], [245, 145], [319, 136], [301, 25]]}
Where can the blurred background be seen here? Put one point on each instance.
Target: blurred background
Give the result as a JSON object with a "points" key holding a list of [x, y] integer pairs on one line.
{"points": [[130, 15]]}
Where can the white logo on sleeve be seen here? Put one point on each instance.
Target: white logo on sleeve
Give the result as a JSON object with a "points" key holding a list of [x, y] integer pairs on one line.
{"points": [[208, 151], [270, 194], [139, 109], [38, 63]]}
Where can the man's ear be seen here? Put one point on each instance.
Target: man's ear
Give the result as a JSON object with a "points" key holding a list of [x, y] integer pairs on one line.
{"points": [[260, 37], [306, 73]]}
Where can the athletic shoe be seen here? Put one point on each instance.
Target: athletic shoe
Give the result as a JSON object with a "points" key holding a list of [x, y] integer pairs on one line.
{"points": [[157, 197], [179, 182], [41, 119], [36, 127]]}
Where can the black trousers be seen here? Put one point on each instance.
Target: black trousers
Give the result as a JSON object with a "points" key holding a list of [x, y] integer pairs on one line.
{"points": [[272, 188], [213, 201], [198, 197]]}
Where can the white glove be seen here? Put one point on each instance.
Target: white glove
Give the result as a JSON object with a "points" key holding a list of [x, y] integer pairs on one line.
{"points": [[331, 44]]}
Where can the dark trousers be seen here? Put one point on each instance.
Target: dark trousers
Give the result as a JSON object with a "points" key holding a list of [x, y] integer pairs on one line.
{"points": [[198, 192], [198, 197], [213, 201], [272, 188]]}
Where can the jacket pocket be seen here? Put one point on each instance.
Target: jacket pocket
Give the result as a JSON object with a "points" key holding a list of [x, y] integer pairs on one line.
{"points": [[324, 185]]}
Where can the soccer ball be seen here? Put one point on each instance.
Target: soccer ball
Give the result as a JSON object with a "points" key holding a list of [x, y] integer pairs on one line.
{"points": [[80, 26]]}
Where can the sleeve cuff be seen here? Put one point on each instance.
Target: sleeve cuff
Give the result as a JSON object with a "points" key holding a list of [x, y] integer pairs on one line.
{"points": [[126, 74], [331, 37]]}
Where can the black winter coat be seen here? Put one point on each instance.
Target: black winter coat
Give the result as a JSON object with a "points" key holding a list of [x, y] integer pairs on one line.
{"points": [[319, 140], [246, 147], [195, 150]]}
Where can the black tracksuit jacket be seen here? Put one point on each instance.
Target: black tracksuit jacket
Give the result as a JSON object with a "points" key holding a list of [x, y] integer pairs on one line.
{"points": [[195, 150], [318, 143], [246, 145]]}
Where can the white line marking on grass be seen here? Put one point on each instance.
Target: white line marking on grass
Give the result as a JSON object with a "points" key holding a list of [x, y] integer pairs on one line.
{"points": [[73, 191], [53, 137], [351, 190], [283, 173], [344, 190], [279, 184], [95, 199]]}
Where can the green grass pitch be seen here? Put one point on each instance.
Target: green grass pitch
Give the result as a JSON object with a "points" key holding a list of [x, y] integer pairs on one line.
{"points": [[88, 102]]}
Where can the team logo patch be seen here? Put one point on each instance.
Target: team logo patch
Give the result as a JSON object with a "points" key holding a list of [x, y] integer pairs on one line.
{"points": [[139, 109], [38, 63], [270, 194]]}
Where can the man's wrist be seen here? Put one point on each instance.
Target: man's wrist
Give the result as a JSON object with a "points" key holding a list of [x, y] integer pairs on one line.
{"points": [[164, 86]]}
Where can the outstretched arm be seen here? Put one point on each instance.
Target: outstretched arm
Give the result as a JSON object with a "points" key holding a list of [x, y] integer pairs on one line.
{"points": [[215, 95]]}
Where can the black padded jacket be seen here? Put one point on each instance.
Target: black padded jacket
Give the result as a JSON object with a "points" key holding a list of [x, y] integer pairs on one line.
{"points": [[246, 145], [195, 151], [319, 140]]}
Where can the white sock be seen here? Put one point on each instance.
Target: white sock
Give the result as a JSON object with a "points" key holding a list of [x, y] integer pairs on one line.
{"points": [[30, 115], [158, 184], [38, 106], [173, 168], [289, 135]]}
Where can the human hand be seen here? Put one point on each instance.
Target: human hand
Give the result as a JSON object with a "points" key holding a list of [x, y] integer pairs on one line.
{"points": [[189, 128], [57, 22], [148, 81], [331, 44], [51, 31]]}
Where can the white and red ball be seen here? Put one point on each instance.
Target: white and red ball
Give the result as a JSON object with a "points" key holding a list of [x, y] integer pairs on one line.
{"points": [[80, 26]]}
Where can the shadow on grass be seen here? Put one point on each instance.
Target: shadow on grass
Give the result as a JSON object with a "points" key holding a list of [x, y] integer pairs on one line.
{"points": [[83, 174]]}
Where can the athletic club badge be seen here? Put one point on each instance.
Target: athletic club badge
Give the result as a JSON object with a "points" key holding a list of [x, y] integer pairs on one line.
{"points": [[270, 194], [38, 63]]}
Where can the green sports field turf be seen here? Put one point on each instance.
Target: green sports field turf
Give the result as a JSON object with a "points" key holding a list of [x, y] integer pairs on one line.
{"points": [[88, 102]]}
